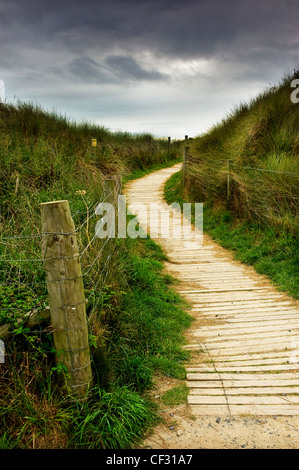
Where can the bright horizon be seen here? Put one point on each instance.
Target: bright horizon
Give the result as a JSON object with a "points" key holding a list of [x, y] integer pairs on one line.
{"points": [[169, 68]]}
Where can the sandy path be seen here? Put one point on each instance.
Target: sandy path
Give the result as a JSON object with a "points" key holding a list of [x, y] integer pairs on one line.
{"points": [[243, 376]]}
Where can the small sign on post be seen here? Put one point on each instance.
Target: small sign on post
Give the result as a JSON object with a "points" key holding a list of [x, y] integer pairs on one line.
{"points": [[2, 352], [94, 142], [185, 153], [169, 144], [228, 179]]}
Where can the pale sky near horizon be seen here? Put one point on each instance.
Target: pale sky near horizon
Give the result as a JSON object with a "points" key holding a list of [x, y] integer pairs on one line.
{"points": [[169, 67]]}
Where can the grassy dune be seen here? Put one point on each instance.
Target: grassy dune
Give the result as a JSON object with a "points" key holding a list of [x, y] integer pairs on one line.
{"points": [[261, 141], [136, 322], [257, 145]]}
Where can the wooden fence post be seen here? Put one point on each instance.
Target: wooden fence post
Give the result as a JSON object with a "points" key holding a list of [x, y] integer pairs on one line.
{"points": [[150, 142], [110, 189], [228, 179], [60, 253], [185, 154]]}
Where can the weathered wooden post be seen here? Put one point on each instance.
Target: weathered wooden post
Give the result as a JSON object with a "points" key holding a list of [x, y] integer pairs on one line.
{"points": [[61, 260], [150, 142], [169, 145], [184, 159], [228, 179], [110, 189]]}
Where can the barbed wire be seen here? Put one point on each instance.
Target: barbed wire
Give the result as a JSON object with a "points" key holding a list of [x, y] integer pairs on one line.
{"points": [[43, 234], [264, 169], [273, 191], [17, 322], [96, 258]]}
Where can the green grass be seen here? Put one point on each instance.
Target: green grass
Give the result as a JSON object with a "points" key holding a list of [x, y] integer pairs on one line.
{"points": [[141, 331], [113, 420], [260, 139], [147, 334], [139, 173], [176, 396], [258, 219], [136, 320], [272, 252]]}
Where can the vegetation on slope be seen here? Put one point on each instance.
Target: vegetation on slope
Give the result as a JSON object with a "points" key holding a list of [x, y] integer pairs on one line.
{"points": [[270, 252], [136, 321], [261, 141], [258, 219]]}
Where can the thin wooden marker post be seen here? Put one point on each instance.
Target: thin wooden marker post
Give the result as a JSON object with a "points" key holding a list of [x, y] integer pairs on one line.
{"points": [[169, 145], [184, 159], [66, 295], [228, 179]]}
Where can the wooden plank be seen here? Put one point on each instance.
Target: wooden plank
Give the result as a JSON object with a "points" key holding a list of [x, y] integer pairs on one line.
{"points": [[260, 339], [243, 328], [249, 319], [264, 348], [254, 362], [247, 306], [241, 358], [220, 290], [271, 390], [29, 320], [252, 368], [244, 410], [291, 384], [228, 286], [235, 377], [243, 400], [252, 301], [216, 354], [251, 337], [200, 300], [247, 327]]}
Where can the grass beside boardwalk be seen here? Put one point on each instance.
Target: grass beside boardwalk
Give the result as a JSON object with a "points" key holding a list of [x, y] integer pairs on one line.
{"points": [[136, 320], [257, 147], [245, 170], [141, 326], [271, 251]]}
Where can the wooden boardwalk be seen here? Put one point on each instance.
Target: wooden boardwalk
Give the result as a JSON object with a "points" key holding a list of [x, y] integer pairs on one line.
{"points": [[245, 337]]}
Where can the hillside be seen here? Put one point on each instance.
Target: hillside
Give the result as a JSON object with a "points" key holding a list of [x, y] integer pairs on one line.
{"points": [[245, 170], [130, 307], [257, 145]]}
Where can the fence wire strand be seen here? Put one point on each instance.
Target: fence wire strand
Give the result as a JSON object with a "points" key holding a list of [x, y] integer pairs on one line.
{"points": [[94, 280]]}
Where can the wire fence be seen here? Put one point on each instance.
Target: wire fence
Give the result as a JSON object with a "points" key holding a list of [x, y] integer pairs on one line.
{"points": [[266, 170], [269, 195], [266, 190], [23, 291]]}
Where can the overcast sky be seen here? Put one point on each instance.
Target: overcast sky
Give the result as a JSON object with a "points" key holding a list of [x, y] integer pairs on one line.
{"points": [[169, 67]]}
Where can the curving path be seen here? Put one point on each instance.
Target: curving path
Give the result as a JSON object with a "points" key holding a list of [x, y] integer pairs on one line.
{"points": [[245, 337]]}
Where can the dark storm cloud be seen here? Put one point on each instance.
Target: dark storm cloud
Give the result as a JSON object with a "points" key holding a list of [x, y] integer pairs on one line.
{"points": [[86, 69], [113, 69], [126, 67], [173, 27], [200, 52]]}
